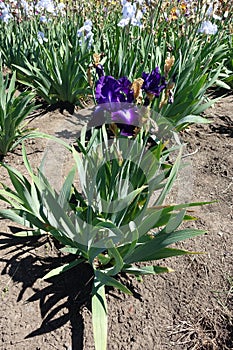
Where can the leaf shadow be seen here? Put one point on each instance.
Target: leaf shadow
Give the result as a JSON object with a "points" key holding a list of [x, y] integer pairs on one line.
{"points": [[224, 126], [62, 298]]}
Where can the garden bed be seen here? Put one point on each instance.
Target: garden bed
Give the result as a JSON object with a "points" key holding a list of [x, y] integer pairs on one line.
{"points": [[188, 309]]}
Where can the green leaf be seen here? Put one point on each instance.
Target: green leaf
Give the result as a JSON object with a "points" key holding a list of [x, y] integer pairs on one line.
{"points": [[26, 161], [223, 85], [180, 206], [149, 249], [122, 203], [99, 316], [174, 222], [70, 250], [104, 259], [165, 253], [118, 262], [193, 119], [60, 269], [110, 281], [29, 233], [7, 195], [147, 270], [65, 192], [80, 168], [202, 107], [18, 216], [170, 180]]}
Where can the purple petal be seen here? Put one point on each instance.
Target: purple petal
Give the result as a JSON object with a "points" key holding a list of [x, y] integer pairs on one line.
{"points": [[153, 83], [126, 116], [105, 88]]}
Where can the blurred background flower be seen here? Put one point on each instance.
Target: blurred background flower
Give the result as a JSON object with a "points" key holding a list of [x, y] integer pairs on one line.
{"points": [[208, 27], [131, 14], [41, 38], [85, 34]]}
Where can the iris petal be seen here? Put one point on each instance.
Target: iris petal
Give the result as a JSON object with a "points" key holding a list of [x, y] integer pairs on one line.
{"points": [[154, 83], [108, 89]]}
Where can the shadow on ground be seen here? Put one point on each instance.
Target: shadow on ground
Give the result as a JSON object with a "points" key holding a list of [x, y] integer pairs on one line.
{"points": [[61, 300]]}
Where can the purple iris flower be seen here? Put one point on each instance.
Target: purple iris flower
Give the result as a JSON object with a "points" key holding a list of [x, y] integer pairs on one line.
{"points": [[125, 115], [154, 83], [108, 90]]}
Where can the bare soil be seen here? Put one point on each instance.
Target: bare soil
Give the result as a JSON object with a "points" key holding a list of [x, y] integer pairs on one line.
{"points": [[190, 308]]}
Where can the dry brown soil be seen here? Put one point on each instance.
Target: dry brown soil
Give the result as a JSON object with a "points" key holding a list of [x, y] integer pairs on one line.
{"points": [[190, 308]]}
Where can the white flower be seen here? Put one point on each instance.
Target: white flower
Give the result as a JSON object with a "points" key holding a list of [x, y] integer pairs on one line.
{"points": [[46, 5], [2, 5], [61, 6], [130, 14], [88, 22], [86, 28], [41, 37], [85, 33], [208, 27], [5, 14], [43, 19], [135, 21], [61, 9], [123, 22], [129, 10]]}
